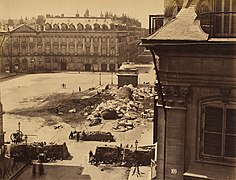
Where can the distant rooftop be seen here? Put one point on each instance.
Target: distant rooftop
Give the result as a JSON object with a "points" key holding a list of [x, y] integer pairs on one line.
{"points": [[83, 20]]}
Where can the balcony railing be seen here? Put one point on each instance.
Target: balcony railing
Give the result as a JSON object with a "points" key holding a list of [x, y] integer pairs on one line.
{"points": [[216, 24], [219, 24], [155, 22]]}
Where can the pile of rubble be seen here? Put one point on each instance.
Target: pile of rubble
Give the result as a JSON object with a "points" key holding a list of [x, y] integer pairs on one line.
{"points": [[114, 109], [148, 114], [127, 105], [123, 125], [31, 151]]}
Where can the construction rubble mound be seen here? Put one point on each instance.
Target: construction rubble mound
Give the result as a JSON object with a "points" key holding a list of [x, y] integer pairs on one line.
{"points": [[128, 104], [95, 105]]}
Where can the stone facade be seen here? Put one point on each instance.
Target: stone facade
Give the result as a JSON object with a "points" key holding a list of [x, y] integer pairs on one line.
{"points": [[71, 43], [196, 125], [194, 76]]}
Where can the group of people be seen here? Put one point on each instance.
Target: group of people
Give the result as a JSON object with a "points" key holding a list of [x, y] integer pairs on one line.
{"points": [[64, 87], [92, 159], [74, 134]]}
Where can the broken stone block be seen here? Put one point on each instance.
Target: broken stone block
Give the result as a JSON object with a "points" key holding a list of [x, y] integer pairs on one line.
{"points": [[109, 114]]}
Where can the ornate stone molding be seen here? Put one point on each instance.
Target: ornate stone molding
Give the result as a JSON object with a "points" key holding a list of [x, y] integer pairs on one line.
{"points": [[176, 91], [176, 96]]}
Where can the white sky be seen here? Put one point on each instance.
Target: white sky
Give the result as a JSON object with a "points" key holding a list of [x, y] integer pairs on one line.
{"points": [[139, 9]]}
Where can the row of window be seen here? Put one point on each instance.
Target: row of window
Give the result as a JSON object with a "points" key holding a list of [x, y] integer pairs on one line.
{"points": [[222, 19], [57, 60], [25, 39], [80, 27], [63, 49]]}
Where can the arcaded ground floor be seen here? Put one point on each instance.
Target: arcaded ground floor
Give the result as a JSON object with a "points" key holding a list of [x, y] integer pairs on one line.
{"points": [[57, 63]]}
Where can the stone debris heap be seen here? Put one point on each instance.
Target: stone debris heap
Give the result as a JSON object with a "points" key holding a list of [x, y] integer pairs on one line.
{"points": [[128, 104]]}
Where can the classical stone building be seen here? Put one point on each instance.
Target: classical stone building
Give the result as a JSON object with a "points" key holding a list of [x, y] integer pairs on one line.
{"points": [[196, 125], [72, 43]]}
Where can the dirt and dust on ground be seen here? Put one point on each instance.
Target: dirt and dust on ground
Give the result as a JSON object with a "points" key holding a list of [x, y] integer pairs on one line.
{"points": [[74, 108], [57, 106], [128, 103]]}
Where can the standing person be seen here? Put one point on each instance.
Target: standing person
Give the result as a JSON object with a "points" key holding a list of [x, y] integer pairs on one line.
{"points": [[78, 136], [71, 135], [136, 167], [90, 156], [136, 163]]}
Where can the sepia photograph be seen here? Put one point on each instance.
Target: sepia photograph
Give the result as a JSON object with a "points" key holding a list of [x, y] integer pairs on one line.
{"points": [[118, 89]]}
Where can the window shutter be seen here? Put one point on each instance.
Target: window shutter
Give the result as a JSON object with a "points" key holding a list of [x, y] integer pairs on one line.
{"points": [[231, 121], [230, 138], [213, 130], [213, 119], [212, 144]]}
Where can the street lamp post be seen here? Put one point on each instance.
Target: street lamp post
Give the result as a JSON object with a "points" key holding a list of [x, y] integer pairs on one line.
{"points": [[19, 126], [111, 78], [136, 168], [100, 78], [11, 66], [136, 145]]}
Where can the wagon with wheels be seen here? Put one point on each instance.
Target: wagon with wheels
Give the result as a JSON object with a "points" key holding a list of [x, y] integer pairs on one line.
{"points": [[17, 137]]}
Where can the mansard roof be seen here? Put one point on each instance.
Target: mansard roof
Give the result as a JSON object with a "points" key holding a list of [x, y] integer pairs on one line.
{"points": [[184, 27], [82, 20], [23, 29]]}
